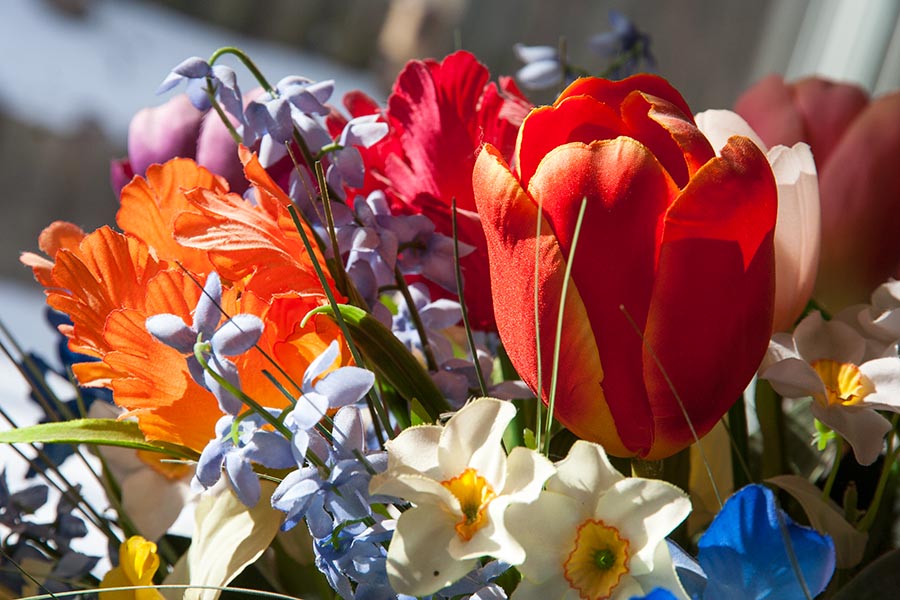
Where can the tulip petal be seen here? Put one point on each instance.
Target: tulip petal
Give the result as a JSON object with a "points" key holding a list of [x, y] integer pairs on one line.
{"points": [[669, 133], [509, 218], [628, 193], [578, 119], [711, 312]]}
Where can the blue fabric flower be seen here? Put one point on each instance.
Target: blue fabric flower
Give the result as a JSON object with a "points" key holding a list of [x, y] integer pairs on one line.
{"points": [[744, 551], [743, 555]]}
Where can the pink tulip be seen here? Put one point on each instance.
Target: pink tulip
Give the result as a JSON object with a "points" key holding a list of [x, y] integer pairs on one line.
{"points": [[856, 143], [177, 129]]}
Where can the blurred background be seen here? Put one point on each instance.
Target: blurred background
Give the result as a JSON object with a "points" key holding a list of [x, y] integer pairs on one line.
{"points": [[75, 71]]}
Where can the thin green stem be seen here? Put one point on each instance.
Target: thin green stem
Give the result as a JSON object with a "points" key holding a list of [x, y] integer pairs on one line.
{"points": [[835, 466], [374, 405], [416, 319], [890, 458], [557, 344], [462, 302], [221, 112], [253, 404], [246, 61]]}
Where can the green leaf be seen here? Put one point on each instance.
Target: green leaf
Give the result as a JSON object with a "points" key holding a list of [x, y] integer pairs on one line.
{"points": [[102, 432], [387, 355]]}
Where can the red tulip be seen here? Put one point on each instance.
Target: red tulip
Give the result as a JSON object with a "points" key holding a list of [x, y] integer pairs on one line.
{"points": [[855, 142], [674, 238]]}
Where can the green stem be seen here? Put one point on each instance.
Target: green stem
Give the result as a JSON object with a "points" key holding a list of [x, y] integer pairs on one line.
{"points": [[889, 458], [253, 404], [246, 61], [222, 116], [416, 319], [462, 302], [835, 466], [737, 429], [557, 343], [771, 427], [374, 405]]}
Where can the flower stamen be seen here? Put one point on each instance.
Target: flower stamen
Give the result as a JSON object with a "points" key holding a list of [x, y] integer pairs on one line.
{"points": [[474, 494], [844, 383], [598, 560]]}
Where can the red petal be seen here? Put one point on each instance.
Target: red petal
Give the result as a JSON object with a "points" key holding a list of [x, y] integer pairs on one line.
{"points": [[711, 314], [509, 217], [627, 193]]}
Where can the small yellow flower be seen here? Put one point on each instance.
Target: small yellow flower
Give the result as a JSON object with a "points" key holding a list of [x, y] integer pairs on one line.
{"points": [[138, 563]]}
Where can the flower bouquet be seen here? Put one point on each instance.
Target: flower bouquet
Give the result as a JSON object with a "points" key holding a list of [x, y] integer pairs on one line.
{"points": [[462, 346]]}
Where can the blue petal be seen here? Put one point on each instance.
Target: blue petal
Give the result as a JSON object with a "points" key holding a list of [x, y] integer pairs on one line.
{"points": [[208, 313], [243, 480], [744, 556], [209, 466], [237, 335], [172, 331], [657, 594], [319, 365], [346, 385]]}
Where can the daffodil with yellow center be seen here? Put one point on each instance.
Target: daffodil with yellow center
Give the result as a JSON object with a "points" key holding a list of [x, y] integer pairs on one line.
{"points": [[460, 483], [474, 494], [595, 534], [849, 377]]}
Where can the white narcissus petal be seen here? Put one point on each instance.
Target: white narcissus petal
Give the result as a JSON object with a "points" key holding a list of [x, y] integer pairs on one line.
{"points": [[797, 231], [585, 472], [153, 501], [416, 488], [719, 125], [546, 529], [418, 562], [794, 378], [816, 338], [663, 574], [415, 448], [781, 347], [228, 536], [527, 471], [884, 373], [491, 540], [863, 429], [644, 511], [472, 438]]}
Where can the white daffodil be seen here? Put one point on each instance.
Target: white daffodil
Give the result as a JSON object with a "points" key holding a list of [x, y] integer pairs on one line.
{"points": [[827, 360], [460, 482], [597, 534], [878, 322], [798, 226]]}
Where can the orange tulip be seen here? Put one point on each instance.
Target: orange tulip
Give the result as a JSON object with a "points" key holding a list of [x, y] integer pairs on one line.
{"points": [[674, 238], [855, 142]]}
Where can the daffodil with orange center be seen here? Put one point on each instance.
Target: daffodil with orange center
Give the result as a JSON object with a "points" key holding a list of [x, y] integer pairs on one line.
{"points": [[849, 377], [460, 483], [595, 534]]}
